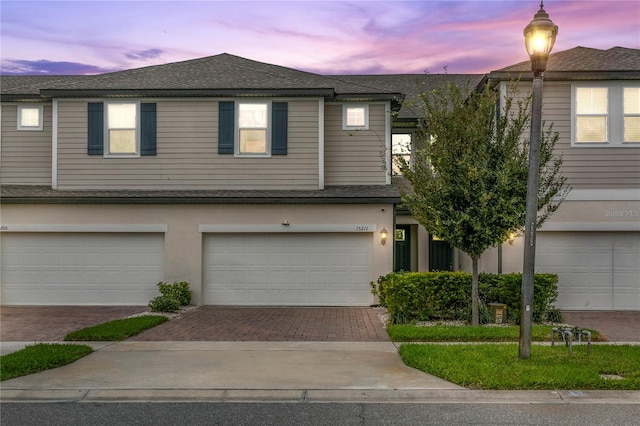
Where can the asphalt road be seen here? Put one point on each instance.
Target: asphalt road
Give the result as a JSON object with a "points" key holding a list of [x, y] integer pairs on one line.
{"points": [[285, 414]]}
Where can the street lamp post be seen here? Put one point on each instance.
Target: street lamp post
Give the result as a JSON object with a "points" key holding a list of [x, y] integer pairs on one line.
{"points": [[539, 36]]}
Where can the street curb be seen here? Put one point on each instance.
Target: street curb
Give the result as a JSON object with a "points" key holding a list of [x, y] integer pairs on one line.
{"points": [[416, 396]]}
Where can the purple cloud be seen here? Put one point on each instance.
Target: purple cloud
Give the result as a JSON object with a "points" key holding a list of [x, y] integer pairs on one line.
{"points": [[46, 67], [144, 54]]}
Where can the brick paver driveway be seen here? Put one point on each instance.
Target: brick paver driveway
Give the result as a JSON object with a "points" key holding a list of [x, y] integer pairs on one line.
{"points": [[218, 323]]}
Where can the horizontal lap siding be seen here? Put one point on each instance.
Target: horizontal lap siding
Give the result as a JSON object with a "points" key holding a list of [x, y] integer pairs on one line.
{"points": [[187, 153], [587, 168], [354, 157], [26, 155]]}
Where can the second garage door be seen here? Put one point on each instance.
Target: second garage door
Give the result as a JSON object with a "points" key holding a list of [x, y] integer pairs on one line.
{"points": [[596, 270], [317, 269]]}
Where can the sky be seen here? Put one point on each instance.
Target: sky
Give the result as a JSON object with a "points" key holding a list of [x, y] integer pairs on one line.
{"points": [[325, 37]]}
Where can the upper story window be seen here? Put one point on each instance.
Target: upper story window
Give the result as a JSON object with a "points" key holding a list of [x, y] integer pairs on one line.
{"points": [[121, 129], [30, 117], [355, 117], [400, 148], [605, 114], [253, 129]]}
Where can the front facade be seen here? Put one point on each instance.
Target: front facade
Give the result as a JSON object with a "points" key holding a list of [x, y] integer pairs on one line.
{"points": [[263, 185]]}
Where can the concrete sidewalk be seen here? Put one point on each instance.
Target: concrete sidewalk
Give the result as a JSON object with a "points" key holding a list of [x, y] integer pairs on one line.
{"points": [[261, 372]]}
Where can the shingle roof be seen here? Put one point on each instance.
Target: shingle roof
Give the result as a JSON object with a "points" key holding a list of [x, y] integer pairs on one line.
{"points": [[355, 194]]}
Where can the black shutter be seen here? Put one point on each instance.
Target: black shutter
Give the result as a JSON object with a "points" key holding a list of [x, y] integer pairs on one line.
{"points": [[148, 129], [95, 126], [279, 126], [226, 127]]}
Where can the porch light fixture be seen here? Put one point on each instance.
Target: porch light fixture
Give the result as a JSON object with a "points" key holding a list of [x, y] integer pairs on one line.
{"points": [[539, 37], [511, 239], [384, 234]]}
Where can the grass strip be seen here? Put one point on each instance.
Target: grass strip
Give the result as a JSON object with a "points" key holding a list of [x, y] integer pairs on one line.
{"points": [[116, 330], [40, 357], [491, 366], [450, 333]]}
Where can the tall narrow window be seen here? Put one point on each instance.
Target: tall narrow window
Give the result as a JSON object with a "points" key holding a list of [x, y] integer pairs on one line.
{"points": [[30, 117], [121, 129], [592, 113], [631, 114], [400, 148], [253, 128]]}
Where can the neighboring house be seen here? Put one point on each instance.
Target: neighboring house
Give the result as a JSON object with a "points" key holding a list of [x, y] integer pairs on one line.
{"points": [[264, 185]]}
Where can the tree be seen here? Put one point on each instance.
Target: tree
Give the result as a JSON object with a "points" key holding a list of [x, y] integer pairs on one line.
{"points": [[468, 177]]}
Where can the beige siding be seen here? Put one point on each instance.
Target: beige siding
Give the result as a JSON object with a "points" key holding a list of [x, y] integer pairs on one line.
{"points": [[587, 168], [187, 153], [354, 157], [26, 155]]}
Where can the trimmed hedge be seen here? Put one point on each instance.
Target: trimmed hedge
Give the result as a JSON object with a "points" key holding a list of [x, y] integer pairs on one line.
{"points": [[420, 296]]}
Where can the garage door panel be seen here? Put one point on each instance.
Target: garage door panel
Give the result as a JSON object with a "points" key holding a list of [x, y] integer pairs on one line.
{"points": [[596, 270], [287, 269], [81, 269]]}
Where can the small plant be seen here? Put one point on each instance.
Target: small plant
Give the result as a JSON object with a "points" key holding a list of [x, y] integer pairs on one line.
{"points": [[178, 290], [164, 304], [554, 315]]}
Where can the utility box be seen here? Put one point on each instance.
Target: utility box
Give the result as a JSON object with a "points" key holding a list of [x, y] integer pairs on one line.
{"points": [[498, 312]]}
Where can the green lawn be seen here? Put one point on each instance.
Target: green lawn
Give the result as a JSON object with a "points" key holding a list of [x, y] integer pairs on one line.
{"points": [[116, 330], [497, 366], [449, 333], [40, 357]]}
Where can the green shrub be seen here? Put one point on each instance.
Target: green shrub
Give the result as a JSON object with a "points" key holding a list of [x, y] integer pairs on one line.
{"points": [[178, 290], [419, 296], [555, 315], [164, 304]]}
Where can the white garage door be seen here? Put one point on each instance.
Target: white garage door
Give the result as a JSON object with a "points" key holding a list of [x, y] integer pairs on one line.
{"points": [[287, 269], [80, 269], [596, 270]]}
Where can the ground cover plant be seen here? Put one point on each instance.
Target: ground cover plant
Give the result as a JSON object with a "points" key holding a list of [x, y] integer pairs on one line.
{"points": [[497, 366], [40, 357], [116, 330], [451, 333]]}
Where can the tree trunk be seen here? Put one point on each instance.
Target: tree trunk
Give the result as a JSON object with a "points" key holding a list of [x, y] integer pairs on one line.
{"points": [[475, 317]]}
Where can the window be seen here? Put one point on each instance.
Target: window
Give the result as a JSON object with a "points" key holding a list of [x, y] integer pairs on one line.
{"points": [[606, 114], [355, 117], [253, 129], [631, 110], [121, 120], [121, 129], [30, 117], [253, 132], [400, 148]]}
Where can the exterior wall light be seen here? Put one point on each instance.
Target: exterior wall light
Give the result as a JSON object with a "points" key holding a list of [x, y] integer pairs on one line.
{"points": [[511, 239], [384, 234]]}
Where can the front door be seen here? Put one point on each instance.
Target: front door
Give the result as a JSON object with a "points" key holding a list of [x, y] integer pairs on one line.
{"points": [[403, 248], [440, 255]]}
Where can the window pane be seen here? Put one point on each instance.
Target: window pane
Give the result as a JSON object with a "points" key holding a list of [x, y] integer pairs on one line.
{"points": [[401, 144], [252, 115], [632, 129], [29, 117], [632, 100], [253, 141], [591, 129], [356, 116], [591, 100], [122, 116], [122, 141]]}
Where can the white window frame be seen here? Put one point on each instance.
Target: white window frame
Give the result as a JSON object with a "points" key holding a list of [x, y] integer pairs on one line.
{"points": [[39, 127], [626, 114], [615, 114], [107, 151], [345, 114], [237, 152]]}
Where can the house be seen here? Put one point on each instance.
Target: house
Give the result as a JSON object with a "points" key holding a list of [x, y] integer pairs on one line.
{"points": [[265, 185]]}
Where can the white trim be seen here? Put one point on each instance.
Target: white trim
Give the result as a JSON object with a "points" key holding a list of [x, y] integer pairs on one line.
{"points": [[287, 228], [107, 141], [46, 227], [54, 144], [631, 194], [387, 143], [591, 226], [39, 127], [320, 143], [345, 108], [268, 128]]}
